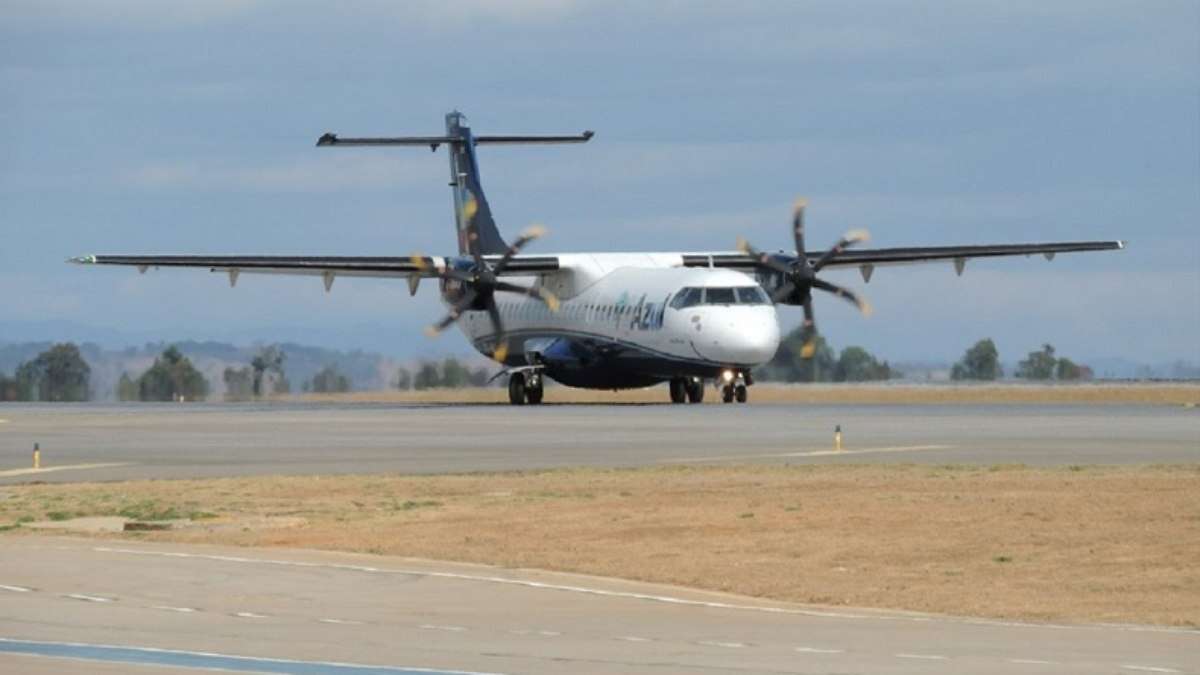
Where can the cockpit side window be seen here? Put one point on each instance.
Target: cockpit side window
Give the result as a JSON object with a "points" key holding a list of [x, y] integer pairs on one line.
{"points": [[752, 295], [688, 297]]}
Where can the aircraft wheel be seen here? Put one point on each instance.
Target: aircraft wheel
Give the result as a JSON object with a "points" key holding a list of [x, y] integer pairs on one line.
{"points": [[678, 387], [695, 390], [516, 389], [534, 394], [740, 393], [727, 394]]}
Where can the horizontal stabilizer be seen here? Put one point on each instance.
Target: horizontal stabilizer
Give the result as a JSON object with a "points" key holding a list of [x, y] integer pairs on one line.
{"points": [[434, 141]]}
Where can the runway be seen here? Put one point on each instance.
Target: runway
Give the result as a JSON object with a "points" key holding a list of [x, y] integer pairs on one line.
{"points": [[310, 612], [110, 442]]}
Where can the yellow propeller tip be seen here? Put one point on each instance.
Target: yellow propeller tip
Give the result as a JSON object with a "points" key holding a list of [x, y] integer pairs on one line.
{"points": [[800, 203], [743, 245], [431, 331], [866, 308], [551, 301], [501, 353], [418, 260], [808, 350], [858, 235], [534, 231]]}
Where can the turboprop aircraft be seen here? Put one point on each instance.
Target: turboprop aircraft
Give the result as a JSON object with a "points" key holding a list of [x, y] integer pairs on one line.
{"points": [[604, 320]]}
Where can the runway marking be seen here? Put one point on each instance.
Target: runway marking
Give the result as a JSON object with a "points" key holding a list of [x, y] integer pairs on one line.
{"points": [[1034, 662], [454, 629], [251, 615], [727, 645], [347, 622], [87, 598], [926, 657], [815, 650], [206, 660], [808, 453], [1150, 669], [549, 633], [648, 597], [181, 610], [65, 467], [15, 589], [633, 638]]}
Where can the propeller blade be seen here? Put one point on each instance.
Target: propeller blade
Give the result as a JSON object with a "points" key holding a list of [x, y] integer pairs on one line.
{"points": [[538, 293], [500, 353], [845, 294], [798, 224], [532, 232], [783, 292], [762, 259], [849, 239], [810, 330], [452, 316]]}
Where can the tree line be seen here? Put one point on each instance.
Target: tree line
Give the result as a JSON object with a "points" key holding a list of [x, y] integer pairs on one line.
{"points": [[450, 373], [853, 364], [982, 362]]}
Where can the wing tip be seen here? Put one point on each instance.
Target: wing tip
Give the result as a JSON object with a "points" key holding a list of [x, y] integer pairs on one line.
{"points": [[83, 260]]}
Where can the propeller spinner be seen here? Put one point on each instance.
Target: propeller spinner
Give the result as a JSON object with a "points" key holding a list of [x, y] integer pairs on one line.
{"points": [[800, 274]]}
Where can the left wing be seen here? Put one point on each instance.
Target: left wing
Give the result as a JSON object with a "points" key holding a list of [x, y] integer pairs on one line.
{"points": [[868, 259]]}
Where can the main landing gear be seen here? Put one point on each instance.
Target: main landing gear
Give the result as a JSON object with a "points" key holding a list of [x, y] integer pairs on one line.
{"points": [[525, 388], [687, 390]]}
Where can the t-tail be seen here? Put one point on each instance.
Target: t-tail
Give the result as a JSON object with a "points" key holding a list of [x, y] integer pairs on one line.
{"points": [[470, 204]]}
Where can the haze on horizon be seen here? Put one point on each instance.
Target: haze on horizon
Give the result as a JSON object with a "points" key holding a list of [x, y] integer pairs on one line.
{"points": [[135, 126]]}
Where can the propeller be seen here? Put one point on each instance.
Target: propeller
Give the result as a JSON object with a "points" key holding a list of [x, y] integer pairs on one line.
{"points": [[481, 283], [800, 274]]}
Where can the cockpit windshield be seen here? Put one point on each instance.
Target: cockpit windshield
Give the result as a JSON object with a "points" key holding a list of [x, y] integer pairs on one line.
{"points": [[739, 295]]}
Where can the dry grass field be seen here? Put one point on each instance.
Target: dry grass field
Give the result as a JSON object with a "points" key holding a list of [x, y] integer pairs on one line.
{"points": [[1117, 544], [1088, 393]]}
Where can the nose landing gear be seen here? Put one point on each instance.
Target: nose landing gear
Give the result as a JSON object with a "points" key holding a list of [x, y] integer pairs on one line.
{"points": [[734, 386], [525, 387]]}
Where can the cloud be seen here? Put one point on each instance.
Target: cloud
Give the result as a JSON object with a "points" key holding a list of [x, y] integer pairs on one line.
{"points": [[333, 174]]}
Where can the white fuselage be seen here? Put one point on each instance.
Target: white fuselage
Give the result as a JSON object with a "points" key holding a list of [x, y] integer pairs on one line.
{"points": [[633, 301]]}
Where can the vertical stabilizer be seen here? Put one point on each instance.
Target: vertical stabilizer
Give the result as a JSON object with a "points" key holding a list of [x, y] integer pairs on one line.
{"points": [[470, 204]]}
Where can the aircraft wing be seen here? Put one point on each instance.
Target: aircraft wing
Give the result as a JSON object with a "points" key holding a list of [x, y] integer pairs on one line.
{"points": [[328, 267], [868, 258]]}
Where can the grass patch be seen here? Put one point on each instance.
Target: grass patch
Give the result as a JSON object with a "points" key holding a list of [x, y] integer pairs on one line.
{"points": [[149, 510], [59, 515]]}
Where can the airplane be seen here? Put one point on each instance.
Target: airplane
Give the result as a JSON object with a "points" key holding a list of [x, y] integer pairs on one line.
{"points": [[604, 320]]}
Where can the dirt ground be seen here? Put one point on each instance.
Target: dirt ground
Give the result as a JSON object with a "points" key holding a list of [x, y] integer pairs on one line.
{"points": [[1111, 544], [1086, 393]]}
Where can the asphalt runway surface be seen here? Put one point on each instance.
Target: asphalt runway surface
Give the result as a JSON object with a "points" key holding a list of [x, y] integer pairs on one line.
{"points": [[111, 442], [244, 610]]}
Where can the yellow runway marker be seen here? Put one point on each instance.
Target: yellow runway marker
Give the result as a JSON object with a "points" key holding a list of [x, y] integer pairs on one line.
{"points": [[65, 467], [813, 453]]}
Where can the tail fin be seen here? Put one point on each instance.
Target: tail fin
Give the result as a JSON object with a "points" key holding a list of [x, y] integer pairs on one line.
{"points": [[470, 205]]}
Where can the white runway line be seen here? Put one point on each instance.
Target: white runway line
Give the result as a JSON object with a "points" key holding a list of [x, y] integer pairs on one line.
{"points": [[926, 657], [649, 597], [549, 633], [347, 622], [808, 453], [66, 467], [1150, 669], [1034, 662], [815, 650], [250, 615], [453, 629], [181, 610], [15, 589], [633, 638], [87, 598], [727, 645]]}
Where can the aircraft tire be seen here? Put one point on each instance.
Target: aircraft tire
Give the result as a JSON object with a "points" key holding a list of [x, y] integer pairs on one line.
{"points": [[678, 387], [516, 389], [534, 394], [727, 394], [695, 391], [740, 393]]}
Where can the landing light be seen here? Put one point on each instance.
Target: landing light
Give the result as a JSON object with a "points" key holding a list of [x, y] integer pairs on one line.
{"points": [[727, 376]]}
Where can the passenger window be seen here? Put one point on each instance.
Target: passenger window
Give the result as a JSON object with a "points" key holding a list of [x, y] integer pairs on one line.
{"points": [[718, 296], [752, 295]]}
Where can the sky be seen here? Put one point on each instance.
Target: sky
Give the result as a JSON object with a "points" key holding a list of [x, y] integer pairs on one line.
{"points": [[137, 126]]}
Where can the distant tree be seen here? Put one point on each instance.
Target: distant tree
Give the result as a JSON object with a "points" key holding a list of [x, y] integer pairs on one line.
{"points": [[454, 375], [858, 365], [239, 383], [427, 376], [127, 388], [1038, 365], [980, 362], [789, 364], [328, 381], [170, 378], [8, 388], [269, 360], [57, 374], [404, 379], [1069, 371]]}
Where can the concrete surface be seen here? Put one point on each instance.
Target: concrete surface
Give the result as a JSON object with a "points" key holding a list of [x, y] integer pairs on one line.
{"points": [[308, 606], [106, 442]]}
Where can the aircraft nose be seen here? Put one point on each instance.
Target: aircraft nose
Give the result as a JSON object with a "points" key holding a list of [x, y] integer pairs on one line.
{"points": [[752, 339]]}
